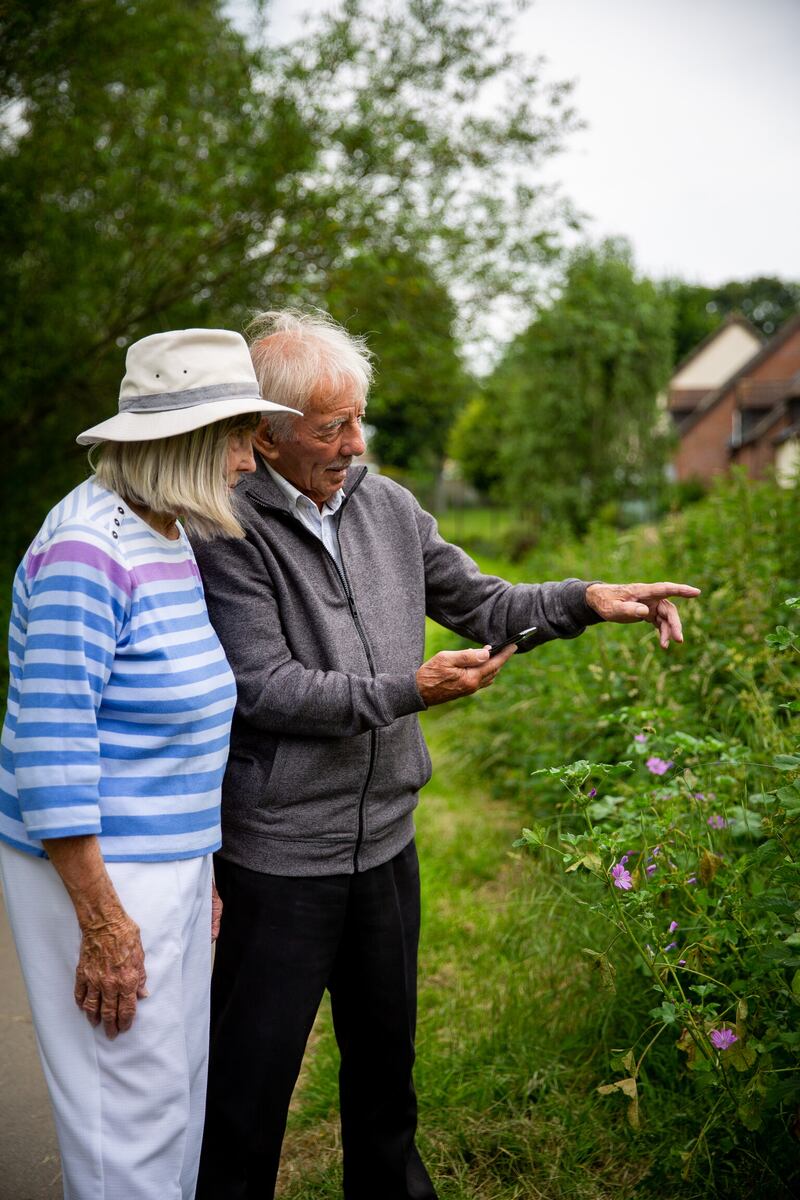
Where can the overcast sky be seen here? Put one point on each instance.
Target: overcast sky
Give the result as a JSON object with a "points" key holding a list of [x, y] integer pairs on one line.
{"points": [[693, 109]]}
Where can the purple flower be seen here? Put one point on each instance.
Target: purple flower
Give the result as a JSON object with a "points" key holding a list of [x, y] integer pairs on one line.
{"points": [[624, 860], [681, 962], [656, 851], [640, 737], [692, 879], [622, 877], [592, 792], [649, 870], [699, 796], [722, 1039], [658, 766], [673, 925], [671, 946], [718, 822]]}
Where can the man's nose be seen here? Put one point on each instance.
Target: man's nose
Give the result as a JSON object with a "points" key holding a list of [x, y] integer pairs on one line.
{"points": [[353, 443]]}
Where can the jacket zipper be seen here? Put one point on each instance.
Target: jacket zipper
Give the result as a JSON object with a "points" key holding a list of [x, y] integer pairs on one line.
{"points": [[373, 737], [351, 604]]}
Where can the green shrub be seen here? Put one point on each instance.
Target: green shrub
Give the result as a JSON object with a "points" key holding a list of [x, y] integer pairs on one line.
{"points": [[692, 866]]}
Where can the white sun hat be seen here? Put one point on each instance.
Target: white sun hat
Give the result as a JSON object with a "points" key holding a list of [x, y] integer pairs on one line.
{"points": [[178, 381]]}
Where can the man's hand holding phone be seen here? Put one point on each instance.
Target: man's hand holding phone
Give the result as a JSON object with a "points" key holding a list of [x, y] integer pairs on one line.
{"points": [[451, 674]]}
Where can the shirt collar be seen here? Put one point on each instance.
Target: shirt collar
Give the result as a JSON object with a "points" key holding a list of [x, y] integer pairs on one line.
{"points": [[297, 499]]}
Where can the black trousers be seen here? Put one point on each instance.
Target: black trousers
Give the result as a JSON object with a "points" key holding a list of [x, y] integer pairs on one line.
{"points": [[283, 940]]}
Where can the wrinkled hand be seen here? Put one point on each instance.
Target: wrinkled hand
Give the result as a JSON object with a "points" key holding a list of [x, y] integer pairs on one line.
{"points": [[641, 602], [216, 911], [454, 673], [110, 976]]}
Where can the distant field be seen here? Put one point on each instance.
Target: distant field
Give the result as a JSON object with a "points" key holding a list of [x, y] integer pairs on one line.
{"points": [[484, 527]]}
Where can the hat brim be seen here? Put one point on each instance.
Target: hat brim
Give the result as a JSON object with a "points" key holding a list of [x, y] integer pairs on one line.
{"points": [[147, 427]]}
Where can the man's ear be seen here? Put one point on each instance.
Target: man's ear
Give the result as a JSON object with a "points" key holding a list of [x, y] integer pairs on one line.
{"points": [[264, 441]]}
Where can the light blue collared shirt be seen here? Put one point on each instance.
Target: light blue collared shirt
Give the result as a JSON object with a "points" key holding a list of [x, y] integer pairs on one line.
{"points": [[321, 524]]}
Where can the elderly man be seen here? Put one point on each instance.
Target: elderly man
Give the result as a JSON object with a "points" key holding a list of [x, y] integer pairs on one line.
{"points": [[321, 609]]}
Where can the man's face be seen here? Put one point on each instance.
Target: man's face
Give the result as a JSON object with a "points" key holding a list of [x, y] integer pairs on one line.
{"points": [[326, 440]]}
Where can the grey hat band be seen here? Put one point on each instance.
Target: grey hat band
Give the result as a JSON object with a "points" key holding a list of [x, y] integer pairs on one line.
{"points": [[190, 398]]}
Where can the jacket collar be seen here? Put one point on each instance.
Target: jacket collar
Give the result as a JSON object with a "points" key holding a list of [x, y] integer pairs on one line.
{"points": [[263, 489]]}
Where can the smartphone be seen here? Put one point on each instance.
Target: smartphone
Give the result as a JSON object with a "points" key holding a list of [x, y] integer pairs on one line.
{"points": [[522, 640]]}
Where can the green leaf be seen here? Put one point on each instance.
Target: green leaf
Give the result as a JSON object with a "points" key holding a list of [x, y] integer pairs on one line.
{"points": [[666, 1012], [624, 1060], [591, 861], [740, 1056], [532, 837], [789, 796], [749, 1113], [781, 639], [607, 971]]}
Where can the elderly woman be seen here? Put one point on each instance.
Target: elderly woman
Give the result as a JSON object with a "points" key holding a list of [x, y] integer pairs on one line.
{"points": [[113, 751]]}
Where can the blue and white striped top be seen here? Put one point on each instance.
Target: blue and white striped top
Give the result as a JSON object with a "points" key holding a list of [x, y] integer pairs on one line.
{"points": [[120, 696]]}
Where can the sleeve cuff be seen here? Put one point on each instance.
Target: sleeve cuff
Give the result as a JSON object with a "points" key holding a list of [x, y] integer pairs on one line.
{"points": [[579, 609], [405, 697]]}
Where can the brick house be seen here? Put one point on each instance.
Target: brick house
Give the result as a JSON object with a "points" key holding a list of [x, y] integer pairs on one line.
{"points": [[751, 418]]}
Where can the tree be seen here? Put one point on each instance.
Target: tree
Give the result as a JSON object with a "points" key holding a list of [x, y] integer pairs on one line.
{"points": [[136, 179], [420, 381], [475, 438], [432, 126], [573, 422], [698, 310], [156, 172]]}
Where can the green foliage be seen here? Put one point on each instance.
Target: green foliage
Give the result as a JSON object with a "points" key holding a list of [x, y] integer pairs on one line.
{"points": [[569, 419], [705, 836], [417, 159], [475, 440], [700, 892], [698, 310], [158, 172], [140, 184], [420, 379]]}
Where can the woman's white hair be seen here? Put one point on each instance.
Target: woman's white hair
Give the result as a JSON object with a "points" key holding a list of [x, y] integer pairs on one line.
{"points": [[184, 476], [295, 351]]}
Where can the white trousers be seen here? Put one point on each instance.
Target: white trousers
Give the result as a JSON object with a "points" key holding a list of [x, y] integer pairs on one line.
{"points": [[128, 1112]]}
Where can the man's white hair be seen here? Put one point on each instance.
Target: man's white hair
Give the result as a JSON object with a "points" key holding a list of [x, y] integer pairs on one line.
{"points": [[295, 351]]}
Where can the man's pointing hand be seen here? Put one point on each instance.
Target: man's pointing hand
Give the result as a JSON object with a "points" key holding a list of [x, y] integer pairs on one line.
{"points": [[626, 602]]}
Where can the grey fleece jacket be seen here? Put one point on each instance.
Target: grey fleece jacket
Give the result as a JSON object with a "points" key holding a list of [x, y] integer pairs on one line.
{"points": [[327, 756]]}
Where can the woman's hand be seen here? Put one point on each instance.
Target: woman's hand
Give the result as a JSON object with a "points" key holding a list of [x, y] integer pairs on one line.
{"points": [[110, 977], [216, 911]]}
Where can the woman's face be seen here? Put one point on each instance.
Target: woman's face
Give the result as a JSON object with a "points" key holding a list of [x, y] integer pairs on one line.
{"points": [[240, 457]]}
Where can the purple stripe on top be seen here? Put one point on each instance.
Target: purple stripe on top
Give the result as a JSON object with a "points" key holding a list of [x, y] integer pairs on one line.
{"points": [[153, 571], [80, 552]]}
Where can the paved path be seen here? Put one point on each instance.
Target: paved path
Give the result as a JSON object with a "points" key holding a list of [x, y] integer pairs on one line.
{"points": [[29, 1163]]}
